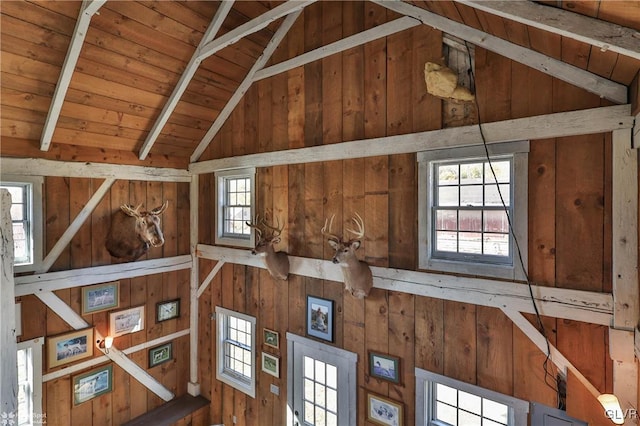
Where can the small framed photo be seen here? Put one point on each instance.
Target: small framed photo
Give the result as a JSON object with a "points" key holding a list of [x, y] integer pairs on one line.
{"points": [[167, 310], [69, 347], [384, 411], [385, 367], [127, 321], [94, 383], [271, 338], [320, 318], [160, 354], [271, 364], [100, 297]]}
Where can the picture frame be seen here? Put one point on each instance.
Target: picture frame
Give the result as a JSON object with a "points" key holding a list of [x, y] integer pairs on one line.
{"points": [[271, 338], [127, 321], [94, 383], [100, 297], [160, 354], [167, 310], [320, 318], [385, 367], [384, 411], [271, 364], [69, 347]]}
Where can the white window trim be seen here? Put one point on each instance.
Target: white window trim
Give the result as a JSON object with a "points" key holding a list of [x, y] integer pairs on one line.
{"points": [[37, 416], [220, 238], [520, 151], [518, 408], [36, 217], [221, 374]]}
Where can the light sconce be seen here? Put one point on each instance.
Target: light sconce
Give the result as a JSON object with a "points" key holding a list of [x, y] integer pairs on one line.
{"points": [[612, 408], [105, 343]]}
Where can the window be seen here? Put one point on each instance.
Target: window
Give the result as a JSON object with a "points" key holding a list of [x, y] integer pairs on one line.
{"points": [[235, 351], [30, 383], [442, 401], [466, 203], [26, 215], [236, 195]]}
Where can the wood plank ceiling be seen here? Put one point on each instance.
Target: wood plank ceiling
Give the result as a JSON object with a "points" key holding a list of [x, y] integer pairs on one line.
{"points": [[134, 54]]}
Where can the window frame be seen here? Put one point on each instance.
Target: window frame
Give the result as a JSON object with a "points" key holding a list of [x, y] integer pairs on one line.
{"points": [[221, 178], [518, 151], [35, 345], [426, 381], [35, 214], [226, 375]]}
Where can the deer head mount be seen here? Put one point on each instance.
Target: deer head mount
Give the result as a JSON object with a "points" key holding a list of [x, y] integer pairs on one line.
{"points": [[276, 262], [134, 231], [358, 278]]}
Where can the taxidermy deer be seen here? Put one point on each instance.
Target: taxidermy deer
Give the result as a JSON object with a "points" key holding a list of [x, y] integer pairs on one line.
{"points": [[277, 262], [133, 231], [358, 278]]}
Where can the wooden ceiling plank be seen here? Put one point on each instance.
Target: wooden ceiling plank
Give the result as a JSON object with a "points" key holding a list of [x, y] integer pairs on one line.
{"points": [[88, 9], [606, 36], [573, 75], [185, 78]]}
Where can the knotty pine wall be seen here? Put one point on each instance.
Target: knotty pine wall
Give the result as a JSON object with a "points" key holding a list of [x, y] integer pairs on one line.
{"points": [[378, 90]]}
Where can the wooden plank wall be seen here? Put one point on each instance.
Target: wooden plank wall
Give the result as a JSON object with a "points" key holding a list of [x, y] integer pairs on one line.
{"points": [[377, 90], [64, 198]]}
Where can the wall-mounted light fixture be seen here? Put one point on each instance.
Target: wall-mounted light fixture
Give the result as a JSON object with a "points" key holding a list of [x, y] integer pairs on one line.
{"points": [[105, 343], [612, 408]]}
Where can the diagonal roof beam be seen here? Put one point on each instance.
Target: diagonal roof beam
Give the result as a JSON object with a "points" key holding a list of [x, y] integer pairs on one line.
{"points": [[246, 83], [185, 78], [605, 35], [573, 75], [87, 10]]}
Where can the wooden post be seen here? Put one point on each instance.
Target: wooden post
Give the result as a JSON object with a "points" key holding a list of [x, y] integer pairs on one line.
{"points": [[193, 387], [8, 346]]}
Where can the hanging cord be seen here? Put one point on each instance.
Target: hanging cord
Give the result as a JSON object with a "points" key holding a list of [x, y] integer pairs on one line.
{"points": [[554, 380]]}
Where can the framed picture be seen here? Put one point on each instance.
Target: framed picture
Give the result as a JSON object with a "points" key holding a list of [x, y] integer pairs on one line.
{"points": [[160, 354], [96, 382], [320, 318], [69, 347], [384, 411], [100, 297], [271, 364], [167, 310], [127, 321], [271, 338], [384, 367]]}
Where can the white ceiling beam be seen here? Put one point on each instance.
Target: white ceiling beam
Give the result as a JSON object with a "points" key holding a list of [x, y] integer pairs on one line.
{"points": [[573, 75], [185, 78], [246, 83], [87, 10], [596, 32]]}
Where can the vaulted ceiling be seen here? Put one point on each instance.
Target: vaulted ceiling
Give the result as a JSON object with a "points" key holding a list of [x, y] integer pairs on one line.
{"points": [[157, 79]]}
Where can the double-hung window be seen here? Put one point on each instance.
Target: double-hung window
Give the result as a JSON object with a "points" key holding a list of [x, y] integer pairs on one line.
{"points": [[29, 384], [236, 200], [235, 350]]}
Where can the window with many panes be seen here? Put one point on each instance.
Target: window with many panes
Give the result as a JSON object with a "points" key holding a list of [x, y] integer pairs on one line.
{"points": [[236, 197], [30, 383], [235, 351], [473, 210]]}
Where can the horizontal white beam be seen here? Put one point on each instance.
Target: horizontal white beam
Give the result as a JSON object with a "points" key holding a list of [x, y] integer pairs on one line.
{"points": [[595, 120], [590, 307]]}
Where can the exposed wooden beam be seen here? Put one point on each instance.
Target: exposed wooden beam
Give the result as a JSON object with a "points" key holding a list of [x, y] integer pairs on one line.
{"points": [[246, 83], [223, 10], [573, 75], [193, 387], [87, 10], [596, 32], [596, 120], [8, 346], [205, 283]]}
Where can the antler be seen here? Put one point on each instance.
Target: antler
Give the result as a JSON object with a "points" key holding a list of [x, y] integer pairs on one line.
{"points": [[131, 212], [255, 226], [327, 232], [277, 230], [360, 224], [158, 210]]}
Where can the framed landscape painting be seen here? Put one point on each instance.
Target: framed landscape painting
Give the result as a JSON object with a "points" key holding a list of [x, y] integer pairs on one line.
{"points": [[384, 367]]}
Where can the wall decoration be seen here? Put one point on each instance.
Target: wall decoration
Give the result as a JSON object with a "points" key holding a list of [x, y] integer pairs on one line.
{"points": [[320, 318], [127, 321], [271, 364], [70, 347], [167, 310], [100, 297], [271, 338], [384, 411], [384, 367], [160, 354], [94, 383]]}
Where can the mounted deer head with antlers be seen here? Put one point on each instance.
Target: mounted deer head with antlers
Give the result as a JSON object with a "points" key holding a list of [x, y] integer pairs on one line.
{"points": [[358, 278], [277, 262]]}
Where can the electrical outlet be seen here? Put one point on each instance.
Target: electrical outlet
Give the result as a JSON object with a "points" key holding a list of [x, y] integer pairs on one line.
{"points": [[235, 420], [275, 389]]}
